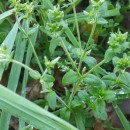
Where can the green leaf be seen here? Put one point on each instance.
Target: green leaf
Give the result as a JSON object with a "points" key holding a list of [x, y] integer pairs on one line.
{"points": [[79, 118], [71, 37], [51, 98], [67, 95], [77, 52], [83, 95], [65, 114], [70, 77], [91, 62], [30, 112], [6, 14], [110, 79], [76, 103], [15, 69], [121, 116], [33, 38], [93, 80], [5, 27], [35, 74], [112, 12], [9, 42], [122, 93], [99, 110], [48, 78], [33, 30], [82, 17], [53, 44], [109, 13], [102, 21], [48, 4], [109, 95], [125, 78], [68, 9], [109, 54]]}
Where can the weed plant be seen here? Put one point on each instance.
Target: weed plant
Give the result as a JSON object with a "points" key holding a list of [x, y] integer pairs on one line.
{"points": [[89, 47]]}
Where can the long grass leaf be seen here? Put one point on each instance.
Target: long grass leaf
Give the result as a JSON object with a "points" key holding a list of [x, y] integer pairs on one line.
{"points": [[121, 116], [27, 62], [30, 112], [72, 37], [79, 118], [9, 42], [48, 4], [6, 14], [14, 75], [71, 6]]}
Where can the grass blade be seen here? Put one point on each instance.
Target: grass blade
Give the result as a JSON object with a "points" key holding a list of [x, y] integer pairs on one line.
{"points": [[121, 116], [14, 76], [6, 14], [9, 42], [27, 62], [72, 37], [30, 112], [48, 4]]}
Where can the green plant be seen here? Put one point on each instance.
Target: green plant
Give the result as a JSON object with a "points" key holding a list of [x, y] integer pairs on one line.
{"points": [[45, 29]]}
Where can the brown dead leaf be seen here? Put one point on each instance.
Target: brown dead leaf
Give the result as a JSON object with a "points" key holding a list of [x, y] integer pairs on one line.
{"points": [[33, 90]]}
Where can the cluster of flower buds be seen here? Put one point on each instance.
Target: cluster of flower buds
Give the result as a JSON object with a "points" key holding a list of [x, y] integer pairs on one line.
{"points": [[117, 41], [25, 7], [56, 22]]}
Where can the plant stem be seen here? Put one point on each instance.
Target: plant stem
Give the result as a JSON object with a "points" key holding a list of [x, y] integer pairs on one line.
{"points": [[35, 54], [74, 90], [60, 100], [18, 63], [30, 42], [20, 27], [23, 65], [90, 71], [89, 40], [69, 57], [91, 35], [77, 26], [44, 72]]}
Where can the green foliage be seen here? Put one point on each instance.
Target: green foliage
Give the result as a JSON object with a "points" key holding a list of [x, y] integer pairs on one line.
{"points": [[51, 98], [79, 66], [70, 77]]}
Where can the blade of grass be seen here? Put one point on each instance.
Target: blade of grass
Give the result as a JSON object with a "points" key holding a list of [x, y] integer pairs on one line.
{"points": [[68, 55], [71, 6], [48, 4], [121, 116], [82, 17], [27, 62], [1, 7], [79, 118], [14, 75], [9, 42], [72, 37], [6, 14], [30, 112], [77, 25], [2, 10]]}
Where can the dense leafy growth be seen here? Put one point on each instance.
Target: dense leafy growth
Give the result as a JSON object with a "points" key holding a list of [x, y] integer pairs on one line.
{"points": [[80, 56]]}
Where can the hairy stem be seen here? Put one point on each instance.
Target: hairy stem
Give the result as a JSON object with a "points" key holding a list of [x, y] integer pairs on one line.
{"points": [[30, 42], [88, 43], [77, 26], [96, 66], [68, 55]]}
